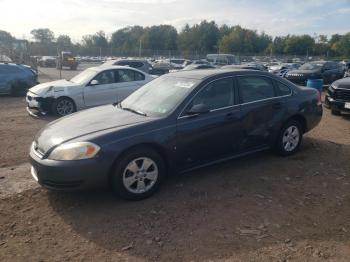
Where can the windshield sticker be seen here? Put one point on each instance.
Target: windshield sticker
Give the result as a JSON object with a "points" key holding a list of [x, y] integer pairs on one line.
{"points": [[184, 84]]}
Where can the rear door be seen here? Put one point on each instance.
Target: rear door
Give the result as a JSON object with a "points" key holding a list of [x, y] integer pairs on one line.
{"points": [[104, 92], [128, 81], [262, 110]]}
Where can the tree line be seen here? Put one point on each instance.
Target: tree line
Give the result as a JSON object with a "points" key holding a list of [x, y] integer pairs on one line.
{"points": [[202, 38]]}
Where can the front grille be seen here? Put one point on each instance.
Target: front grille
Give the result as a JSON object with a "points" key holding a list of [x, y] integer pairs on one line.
{"points": [[341, 94]]}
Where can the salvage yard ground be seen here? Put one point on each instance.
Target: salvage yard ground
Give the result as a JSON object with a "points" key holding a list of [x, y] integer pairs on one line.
{"points": [[258, 208]]}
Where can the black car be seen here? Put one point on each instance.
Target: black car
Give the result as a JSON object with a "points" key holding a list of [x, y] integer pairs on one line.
{"points": [[327, 70], [250, 66], [175, 123], [338, 96]]}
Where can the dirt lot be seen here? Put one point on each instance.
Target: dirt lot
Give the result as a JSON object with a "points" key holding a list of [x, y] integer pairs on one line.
{"points": [[258, 208]]}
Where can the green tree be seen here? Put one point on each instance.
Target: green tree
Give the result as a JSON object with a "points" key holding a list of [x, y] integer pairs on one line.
{"points": [[299, 45], [6, 41], [63, 42], [162, 37], [201, 37], [43, 35]]}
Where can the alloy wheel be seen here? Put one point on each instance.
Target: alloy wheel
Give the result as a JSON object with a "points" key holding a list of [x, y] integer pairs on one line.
{"points": [[291, 137], [140, 175], [65, 107]]}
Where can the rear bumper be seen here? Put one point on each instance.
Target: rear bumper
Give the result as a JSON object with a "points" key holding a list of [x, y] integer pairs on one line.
{"points": [[69, 175], [336, 104]]}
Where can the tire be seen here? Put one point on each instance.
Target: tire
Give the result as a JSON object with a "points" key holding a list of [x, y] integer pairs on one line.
{"points": [[335, 112], [289, 138], [63, 106], [128, 176]]}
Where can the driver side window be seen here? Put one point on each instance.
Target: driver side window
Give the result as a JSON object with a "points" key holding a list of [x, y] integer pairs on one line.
{"points": [[216, 95], [105, 78]]}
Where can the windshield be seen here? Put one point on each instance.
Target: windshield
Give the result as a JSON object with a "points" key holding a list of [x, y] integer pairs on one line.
{"points": [[84, 76], [160, 96], [310, 66]]}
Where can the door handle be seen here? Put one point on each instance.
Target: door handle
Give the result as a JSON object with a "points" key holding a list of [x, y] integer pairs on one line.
{"points": [[277, 106]]}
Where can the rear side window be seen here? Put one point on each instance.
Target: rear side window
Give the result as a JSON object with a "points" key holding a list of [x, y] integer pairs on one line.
{"points": [[254, 88], [136, 64], [124, 75], [283, 90]]}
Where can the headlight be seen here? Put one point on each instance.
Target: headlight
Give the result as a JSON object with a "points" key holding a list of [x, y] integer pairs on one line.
{"points": [[74, 151]]}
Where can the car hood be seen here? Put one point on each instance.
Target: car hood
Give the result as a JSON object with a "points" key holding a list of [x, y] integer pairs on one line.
{"points": [[342, 83], [84, 123], [41, 89]]}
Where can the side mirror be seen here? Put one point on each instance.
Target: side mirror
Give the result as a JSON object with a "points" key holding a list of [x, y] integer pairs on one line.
{"points": [[94, 82], [198, 109]]}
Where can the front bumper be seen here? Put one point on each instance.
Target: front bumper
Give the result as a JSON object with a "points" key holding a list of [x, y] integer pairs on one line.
{"points": [[37, 106], [69, 175], [336, 104]]}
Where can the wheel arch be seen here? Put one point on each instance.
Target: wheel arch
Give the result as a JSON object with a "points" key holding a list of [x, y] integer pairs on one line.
{"points": [[66, 97], [301, 119]]}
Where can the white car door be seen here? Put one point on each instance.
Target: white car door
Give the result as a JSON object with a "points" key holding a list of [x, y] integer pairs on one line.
{"points": [[102, 89], [128, 81]]}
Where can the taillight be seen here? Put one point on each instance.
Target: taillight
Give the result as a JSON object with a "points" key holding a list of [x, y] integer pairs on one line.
{"points": [[319, 99]]}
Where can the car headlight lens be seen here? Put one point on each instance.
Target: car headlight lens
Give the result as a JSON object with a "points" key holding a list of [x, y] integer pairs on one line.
{"points": [[74, 151]]}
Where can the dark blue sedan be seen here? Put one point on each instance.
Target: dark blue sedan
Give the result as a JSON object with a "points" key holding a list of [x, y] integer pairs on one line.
{"points": [[16, 79], [176, 123]]}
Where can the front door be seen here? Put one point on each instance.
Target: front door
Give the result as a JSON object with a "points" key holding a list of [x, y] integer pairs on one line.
{"points": [[213, 135], [101, 91]]}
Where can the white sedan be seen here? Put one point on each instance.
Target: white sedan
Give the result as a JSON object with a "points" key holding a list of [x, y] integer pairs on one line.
{"points": [[93, 87]]}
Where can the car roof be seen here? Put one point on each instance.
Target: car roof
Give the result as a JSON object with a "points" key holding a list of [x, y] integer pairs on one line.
{"points": [[106, 67], [207, 73]]}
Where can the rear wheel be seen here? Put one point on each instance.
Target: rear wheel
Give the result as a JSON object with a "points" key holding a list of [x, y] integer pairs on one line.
{"points": [[138, 174], [63, 106], [289, 138]]}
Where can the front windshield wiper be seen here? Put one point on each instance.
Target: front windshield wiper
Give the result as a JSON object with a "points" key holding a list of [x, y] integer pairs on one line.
{"points": [[134, 111]]}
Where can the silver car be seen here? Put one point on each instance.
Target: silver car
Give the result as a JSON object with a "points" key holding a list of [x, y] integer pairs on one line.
{"points": [[93, 87]]}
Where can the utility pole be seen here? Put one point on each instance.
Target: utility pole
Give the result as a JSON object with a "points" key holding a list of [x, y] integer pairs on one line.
{"points": [[140, 48]]}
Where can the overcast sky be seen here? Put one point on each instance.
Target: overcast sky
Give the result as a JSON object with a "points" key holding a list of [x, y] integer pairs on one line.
{"points": [[79, 17]]}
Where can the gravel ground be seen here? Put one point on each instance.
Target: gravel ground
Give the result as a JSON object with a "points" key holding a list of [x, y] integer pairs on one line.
{"points": [[258, 208]]}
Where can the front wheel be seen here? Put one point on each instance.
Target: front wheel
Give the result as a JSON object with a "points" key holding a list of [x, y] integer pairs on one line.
{"points": [[138, 174], [63, 106], [289, 138]]}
